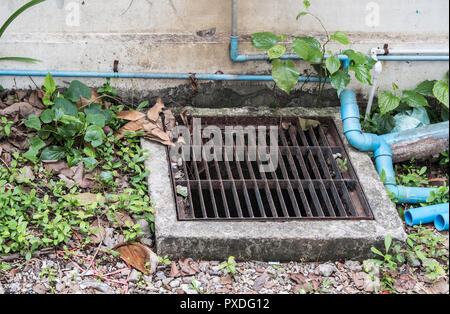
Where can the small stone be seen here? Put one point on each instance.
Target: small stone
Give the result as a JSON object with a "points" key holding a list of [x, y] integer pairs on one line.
{"points": [[353, 266], [326, 270], [160, 275], [2, 290], [175, 283], [188, 280], [134, 276], [166, 281], [186, 288]]}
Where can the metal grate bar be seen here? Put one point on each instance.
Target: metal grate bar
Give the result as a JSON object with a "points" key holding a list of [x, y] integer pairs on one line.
{"points": [[308, 183]]}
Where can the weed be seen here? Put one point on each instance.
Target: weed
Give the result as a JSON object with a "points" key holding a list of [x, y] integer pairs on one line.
{"points": [[229, 265]]}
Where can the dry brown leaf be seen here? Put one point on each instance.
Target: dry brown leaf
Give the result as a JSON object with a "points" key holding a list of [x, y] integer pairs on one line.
{"points": [[132, 126], [130, 115], [174, 272], [184, 117], [153, 132], [121, 220], [305, 124], [138, 256], [186, 268], [153, 113], [82, 102], [89, 198], [169, 120], [98, 230]]}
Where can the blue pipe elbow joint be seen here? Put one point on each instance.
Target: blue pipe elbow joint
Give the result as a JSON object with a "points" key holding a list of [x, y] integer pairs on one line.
{"points": [[441, 222]]}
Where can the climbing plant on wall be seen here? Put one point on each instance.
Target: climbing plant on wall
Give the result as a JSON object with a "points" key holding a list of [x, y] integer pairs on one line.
{"points": [[326, 63]]}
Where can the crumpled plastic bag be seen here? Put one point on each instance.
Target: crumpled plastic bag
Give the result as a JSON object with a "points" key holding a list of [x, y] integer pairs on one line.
{"points": [[411, 119]]}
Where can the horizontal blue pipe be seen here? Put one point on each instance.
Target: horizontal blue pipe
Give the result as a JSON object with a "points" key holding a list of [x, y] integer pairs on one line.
{"points": [[236, 57], [380, 148], [438, 131], [412, 58], [425, 215], [441, 222], [150, 75]]}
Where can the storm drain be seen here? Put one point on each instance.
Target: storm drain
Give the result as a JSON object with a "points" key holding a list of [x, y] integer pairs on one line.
{"points": [[313, 178]]}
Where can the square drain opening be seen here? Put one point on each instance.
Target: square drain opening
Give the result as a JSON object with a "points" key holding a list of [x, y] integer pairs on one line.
{"points": [[312, 179]]}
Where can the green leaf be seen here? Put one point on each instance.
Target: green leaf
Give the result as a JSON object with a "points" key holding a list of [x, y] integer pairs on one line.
{"points": [[385, 123], [94, 135], [340, 80], [49, 84], [308, 48], [283, 37], [285, 74], [53, 153], [96, 109], [264, 40], [387, 242], [425, 88], [17, 13], [19, 59], [387, 102], [48, 115], [68, 130], [356, 57], [440, 91], [66, 106], [362, 73], [90, 162], [333, 64], [96, 119], [414, 99], [77, 90], [376, 251], [303, 13], [340, 37], [306, 4], [276, 51], [33, 122], [36, 145]]}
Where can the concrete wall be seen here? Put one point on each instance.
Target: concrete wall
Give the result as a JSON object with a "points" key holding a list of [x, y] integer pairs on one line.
{"points": [[161, 35]]}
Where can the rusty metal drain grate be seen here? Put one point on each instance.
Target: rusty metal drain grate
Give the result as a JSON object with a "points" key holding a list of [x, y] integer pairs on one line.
{"points": [[314, 179]]}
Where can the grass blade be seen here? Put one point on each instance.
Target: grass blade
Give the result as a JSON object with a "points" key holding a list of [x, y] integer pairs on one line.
{"points": [[19, 59], [17, 13]]}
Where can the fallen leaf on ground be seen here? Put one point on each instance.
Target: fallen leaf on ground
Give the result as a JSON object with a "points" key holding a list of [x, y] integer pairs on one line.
{"points": [[169, 120], [174, 272], [305, 124], [138, 256], [184, 117], [132, 126], [260, 282], [23, 109], [155, 133], [121, 220], [98, 230], [186, 268], [59, 167], [130, 115], [89, 198], [153, 113]]}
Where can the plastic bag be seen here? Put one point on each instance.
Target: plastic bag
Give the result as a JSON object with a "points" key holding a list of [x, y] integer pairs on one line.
{"points": [[411, 119]]}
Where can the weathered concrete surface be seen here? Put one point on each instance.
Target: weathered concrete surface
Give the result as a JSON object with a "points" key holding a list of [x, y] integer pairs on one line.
{"points": [[280, 241], [161, 36]]}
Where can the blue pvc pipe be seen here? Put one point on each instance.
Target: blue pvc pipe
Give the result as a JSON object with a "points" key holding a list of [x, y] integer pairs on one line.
{"points": [[382, 152], [425, 215], [149, 75], [412, 58], [441, 222], [236, 57]]}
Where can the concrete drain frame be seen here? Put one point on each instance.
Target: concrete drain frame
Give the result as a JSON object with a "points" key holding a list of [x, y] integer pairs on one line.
{"points": [[291, 240]]}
